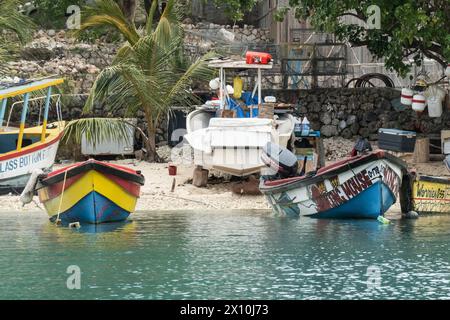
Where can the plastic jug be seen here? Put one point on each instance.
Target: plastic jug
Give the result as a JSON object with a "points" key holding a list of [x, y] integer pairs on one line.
{"points": [[298, 125], [238, 85], [406, 96], [419, 102], [305, 127]]}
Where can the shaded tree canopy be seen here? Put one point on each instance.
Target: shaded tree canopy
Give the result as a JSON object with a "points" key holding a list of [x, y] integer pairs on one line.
{"points": [[236, 9]]}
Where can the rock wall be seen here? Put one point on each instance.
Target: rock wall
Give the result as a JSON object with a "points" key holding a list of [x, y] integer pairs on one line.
{"points": [[350, 112], [345, 112], [56, 53], [203, 37]]}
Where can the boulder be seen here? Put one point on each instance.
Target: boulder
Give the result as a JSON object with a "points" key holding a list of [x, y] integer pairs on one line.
{"points": [[37, 54], [326, 118], [329, 131]]}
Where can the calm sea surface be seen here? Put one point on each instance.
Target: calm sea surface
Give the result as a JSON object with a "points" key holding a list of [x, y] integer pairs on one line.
{"points": [[226, 255]]}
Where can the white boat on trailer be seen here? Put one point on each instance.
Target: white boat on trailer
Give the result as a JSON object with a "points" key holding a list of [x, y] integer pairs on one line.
{"points": [[234, 145]]}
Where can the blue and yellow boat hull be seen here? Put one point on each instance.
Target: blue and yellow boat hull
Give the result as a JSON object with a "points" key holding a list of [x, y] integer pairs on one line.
{"points": [[90, 192]]}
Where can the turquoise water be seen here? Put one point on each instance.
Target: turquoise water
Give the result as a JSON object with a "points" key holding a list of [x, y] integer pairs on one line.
{"points": [[226, 255]]}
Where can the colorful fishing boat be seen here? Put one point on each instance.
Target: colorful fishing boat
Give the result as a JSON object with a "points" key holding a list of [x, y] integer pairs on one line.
{"points": [[90, 192], [22, 149], [363, 186], [430, 194]]}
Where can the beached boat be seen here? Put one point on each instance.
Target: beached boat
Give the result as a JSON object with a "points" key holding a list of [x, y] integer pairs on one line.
{"points": [[23, 150], [430, 194], [234, 145], [90, 192], [364, 186]]}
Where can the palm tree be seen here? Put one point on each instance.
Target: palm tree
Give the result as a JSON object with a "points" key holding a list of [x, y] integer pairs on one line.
{"points": [[148, 73], [14, 21]]}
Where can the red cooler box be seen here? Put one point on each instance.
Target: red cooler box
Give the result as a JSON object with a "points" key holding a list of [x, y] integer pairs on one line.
{"points": [[257, 57]]}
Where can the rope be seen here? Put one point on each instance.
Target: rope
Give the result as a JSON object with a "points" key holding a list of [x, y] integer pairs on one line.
{"points": [[33, 200], [58, 221]]}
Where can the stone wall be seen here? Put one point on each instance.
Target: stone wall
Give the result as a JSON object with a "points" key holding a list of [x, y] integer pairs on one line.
{"points": [[350, 112], [207, 36], [334, 111], [56, 53]]}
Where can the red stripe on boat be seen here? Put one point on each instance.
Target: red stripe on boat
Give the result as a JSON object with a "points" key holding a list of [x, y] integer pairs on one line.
{"points": [[33, 149], [115, 166], [55, 190]]}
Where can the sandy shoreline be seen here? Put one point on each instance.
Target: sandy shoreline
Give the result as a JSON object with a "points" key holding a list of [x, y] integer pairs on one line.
{"points": [[156, 194]]}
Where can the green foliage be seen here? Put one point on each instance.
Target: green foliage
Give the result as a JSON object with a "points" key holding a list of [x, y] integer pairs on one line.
{"points": [[11, 20], [96, 130], [409, 28], [52, 13], [149, 73], [236, 9]]}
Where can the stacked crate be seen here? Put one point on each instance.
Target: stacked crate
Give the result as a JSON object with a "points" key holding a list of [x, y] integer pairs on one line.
{"points": [[266, 110]]}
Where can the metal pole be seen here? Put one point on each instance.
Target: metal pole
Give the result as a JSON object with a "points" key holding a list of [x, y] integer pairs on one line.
{"points": [[2, 111], [47, 107], [221, 92], [22, 121], [259, 90]]}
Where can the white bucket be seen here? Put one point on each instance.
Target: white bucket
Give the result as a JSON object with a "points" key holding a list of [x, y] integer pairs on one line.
{"points": [[407, 96], [418, 102], [434, 107]]}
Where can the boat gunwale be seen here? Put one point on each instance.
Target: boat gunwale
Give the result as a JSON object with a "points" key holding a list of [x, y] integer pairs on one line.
{"points": [[304, 181], [87, 166], [432, 179], [51, 139]]}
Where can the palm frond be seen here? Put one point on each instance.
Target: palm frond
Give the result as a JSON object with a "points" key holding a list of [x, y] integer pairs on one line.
{"points": [[124, 87], [149, 74], [150, 17], [108, 13], [199, 70], [11, 19], [169, 27], [96, 130]]}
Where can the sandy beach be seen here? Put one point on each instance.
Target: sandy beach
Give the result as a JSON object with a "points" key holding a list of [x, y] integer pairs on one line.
{"points": [[157, 195]]}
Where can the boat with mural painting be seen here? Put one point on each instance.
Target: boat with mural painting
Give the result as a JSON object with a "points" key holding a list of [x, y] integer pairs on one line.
{"points": [[365, 185], [25, 149], [430, 194], [228, 134], [90, 192]]}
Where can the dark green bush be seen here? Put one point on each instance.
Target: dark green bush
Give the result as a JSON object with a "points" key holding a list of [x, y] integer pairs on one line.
{"points": [[52, 13]]}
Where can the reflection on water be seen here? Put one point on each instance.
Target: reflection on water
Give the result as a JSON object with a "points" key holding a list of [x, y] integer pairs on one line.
{"points": [[225, 255]]}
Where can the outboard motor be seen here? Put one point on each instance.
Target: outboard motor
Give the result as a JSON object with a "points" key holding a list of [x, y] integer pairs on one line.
{"points": [[282, 162]]}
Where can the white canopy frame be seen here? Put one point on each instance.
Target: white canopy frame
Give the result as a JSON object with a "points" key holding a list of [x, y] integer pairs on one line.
{"points": [[222, 65]]}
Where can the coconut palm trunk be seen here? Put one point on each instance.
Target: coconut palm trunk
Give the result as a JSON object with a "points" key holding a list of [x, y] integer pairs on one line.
{"points": [[149, 73]]}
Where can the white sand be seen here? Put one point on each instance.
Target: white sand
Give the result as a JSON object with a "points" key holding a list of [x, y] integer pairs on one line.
{"points": [[157, 195]]}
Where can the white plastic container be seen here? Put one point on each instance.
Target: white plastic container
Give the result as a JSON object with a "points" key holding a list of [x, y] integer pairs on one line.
{"points": [[406, 96], [434, 107], [435, 96], [305, 127], [419, 102]]}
